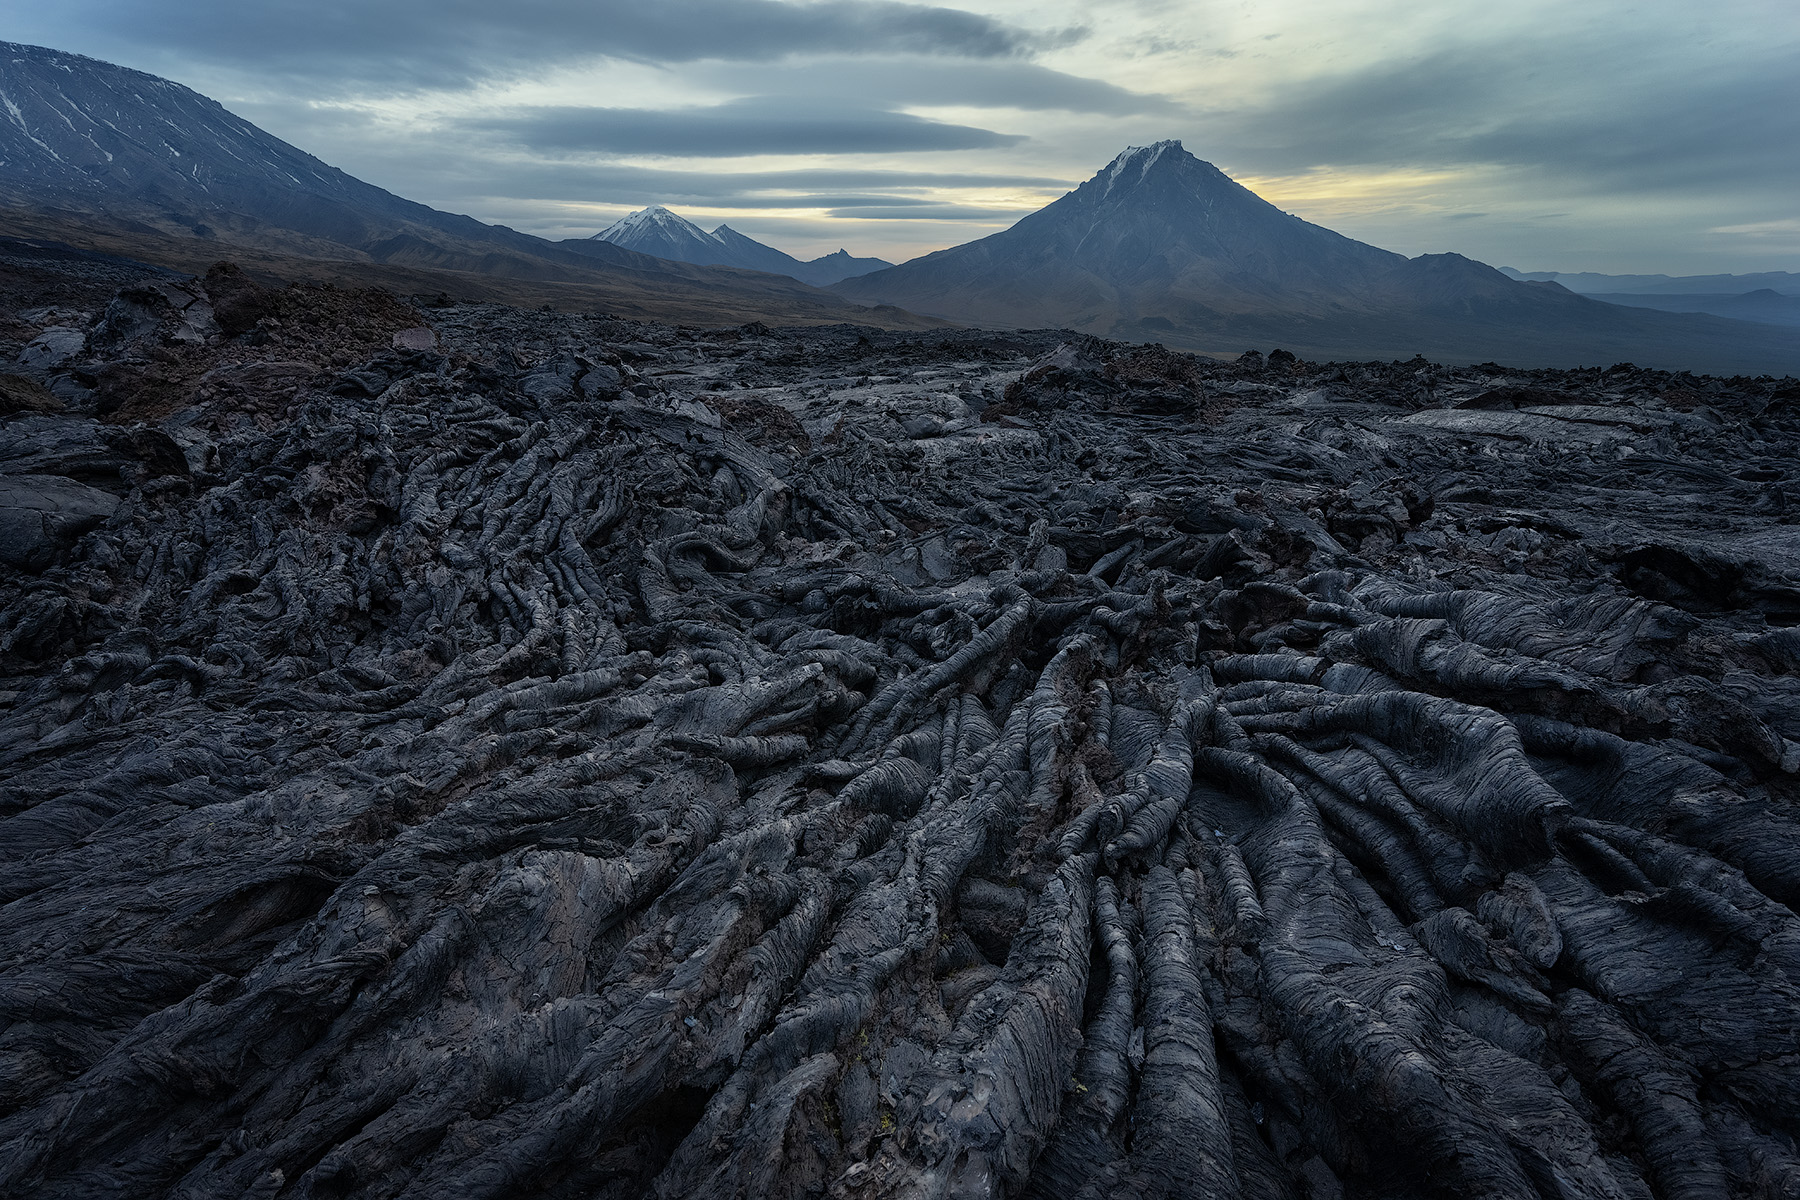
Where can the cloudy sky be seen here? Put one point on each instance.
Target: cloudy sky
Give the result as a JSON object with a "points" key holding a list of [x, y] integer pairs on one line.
{"points": [[1609, 135]]}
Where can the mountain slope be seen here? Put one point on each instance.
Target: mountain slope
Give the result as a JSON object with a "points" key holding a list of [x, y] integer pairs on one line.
{"points": [[89, 150], [85, 134], [656, 230], [1160, 245]]}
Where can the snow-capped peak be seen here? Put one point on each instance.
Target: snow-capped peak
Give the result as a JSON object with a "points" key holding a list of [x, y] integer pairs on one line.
{"points": [[650, 220], [1134, 162]]}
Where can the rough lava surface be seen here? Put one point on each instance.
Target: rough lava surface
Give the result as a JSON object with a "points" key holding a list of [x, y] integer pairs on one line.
{"points": [[469, 752]]}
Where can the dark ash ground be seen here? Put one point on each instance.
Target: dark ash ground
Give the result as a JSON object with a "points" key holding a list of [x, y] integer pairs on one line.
{"points": [[577, 758]]}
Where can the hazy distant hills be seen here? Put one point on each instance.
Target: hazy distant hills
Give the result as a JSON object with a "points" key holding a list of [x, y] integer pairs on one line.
{"points": [[1590, 283], [1766, 297], [656, 230], [101, 155], [1765, 306], [1160, 245]]}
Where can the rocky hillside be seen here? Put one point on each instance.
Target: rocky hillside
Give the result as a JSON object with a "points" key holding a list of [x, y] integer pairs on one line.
{"points": [[473, 752]]}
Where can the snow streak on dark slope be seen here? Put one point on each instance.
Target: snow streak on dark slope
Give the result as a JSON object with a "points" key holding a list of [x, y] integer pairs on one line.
{"points": [[79, 129], [656, 230], [1160, 245]]}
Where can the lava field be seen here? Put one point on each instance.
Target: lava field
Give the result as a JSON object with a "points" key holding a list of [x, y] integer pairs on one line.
{"points": [[458, 751]]}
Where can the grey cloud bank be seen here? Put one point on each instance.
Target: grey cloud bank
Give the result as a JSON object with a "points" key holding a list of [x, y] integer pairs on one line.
{"points": [[1529, 107], [1627, 136], [420, 43], [980, 84], [758, 125]]}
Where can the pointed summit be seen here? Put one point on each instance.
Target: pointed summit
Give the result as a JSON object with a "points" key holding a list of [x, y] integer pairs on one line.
{"points": [[656, 230], [1135, 163]]}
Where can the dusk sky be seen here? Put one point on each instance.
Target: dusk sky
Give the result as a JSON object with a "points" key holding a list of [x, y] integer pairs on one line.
{"points": [[1660, 135]]}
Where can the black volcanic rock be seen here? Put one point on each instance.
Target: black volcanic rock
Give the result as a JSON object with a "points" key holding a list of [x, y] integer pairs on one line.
{"points": [[41, 514], [435, 776], [1162, 246], [238, 302]]}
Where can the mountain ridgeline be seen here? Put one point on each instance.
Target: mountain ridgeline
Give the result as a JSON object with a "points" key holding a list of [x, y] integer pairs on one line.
{"points": [[656, 230], [1157, 247], [1162, 246]]}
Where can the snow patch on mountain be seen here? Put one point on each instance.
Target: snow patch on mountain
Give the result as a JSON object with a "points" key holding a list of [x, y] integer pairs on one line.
{"points": [[655, 219], [1141, 157]]}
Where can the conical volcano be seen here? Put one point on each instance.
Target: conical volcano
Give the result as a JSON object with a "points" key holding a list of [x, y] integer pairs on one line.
{"points": [[1160, 245], [1156, 234]]}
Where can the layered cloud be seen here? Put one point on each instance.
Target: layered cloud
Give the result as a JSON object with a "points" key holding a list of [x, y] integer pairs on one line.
{"points": [[1618, 135], [754, 125], [1533, 106], [384, 44], [937, 81]]}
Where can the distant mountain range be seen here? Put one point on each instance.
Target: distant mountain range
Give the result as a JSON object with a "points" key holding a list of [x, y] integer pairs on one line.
{"points": [[1160, 245], [656, 230], [100, 155], [1766, 297], [1590, 283], [1765, 306]]}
